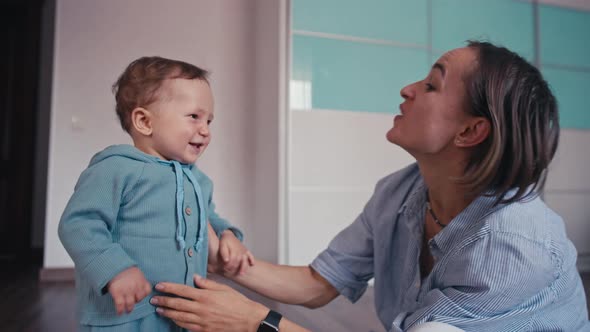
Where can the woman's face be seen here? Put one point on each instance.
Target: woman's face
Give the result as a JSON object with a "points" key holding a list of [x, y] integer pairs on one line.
{"points": [[434, 109]]}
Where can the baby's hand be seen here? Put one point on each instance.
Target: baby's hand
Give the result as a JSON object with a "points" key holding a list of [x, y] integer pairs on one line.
{"points": [[128, 288], [236, 258]]}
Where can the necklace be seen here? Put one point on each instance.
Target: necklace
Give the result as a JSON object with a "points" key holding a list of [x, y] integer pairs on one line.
{"points": [[429, 208]]}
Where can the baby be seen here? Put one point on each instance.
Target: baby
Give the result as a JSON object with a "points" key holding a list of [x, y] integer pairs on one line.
{"points": [[145, 213]]}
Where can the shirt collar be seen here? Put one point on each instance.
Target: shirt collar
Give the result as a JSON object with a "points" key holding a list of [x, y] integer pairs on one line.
{"points": [[413, 208], [460, 226], [416, 199], [466, 222]]}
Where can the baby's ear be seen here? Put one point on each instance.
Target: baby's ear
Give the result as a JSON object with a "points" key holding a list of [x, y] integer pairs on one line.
{"points": [[141, 121]]}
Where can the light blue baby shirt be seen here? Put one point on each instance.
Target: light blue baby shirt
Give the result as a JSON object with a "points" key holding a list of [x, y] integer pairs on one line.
{"points": [[133, 209]]}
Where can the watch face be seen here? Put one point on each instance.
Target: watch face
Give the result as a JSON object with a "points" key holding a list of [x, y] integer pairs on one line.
{"points": [[266, 327]]}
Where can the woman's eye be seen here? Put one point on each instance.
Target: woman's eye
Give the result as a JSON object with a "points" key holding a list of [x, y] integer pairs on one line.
{"points": [[429, 87]]}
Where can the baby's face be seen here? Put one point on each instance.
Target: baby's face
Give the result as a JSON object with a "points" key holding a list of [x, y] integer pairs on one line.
{"points": [[181, 120]]}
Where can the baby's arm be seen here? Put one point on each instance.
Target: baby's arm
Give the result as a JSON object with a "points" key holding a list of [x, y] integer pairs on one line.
{"points": [[212, 261], [235, 256], [128, 288], [84, 229]]}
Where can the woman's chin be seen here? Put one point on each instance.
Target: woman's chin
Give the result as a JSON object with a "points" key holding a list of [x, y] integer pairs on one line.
{"points": [[392, 135]]}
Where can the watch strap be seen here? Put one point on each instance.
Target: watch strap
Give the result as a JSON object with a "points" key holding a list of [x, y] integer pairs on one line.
{"points": [[272, 320]]}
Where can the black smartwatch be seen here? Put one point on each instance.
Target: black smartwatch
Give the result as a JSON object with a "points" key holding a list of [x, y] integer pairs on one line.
{"points": [[270, 323]]}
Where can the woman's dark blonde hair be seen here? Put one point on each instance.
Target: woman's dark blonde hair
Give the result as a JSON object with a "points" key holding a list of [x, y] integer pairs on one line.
{"points": [[512, 94], [139, 84]]}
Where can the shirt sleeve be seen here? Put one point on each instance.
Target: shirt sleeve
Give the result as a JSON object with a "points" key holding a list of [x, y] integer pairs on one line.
{"points": [[347, 263], [491, 284], [87, 222]]}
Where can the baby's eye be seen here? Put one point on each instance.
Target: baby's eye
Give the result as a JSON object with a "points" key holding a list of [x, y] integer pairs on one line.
{"points": [[429, 87], [209, 122], [194, 116]]}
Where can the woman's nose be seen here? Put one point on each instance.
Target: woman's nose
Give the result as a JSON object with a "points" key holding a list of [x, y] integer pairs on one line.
{"points": [[407, 92]]}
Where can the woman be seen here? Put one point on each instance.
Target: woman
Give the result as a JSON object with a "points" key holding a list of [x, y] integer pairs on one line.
{"points": [[461, 237]]}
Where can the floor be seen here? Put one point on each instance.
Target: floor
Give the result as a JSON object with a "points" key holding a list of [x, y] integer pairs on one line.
{"points": [[28, 305]]}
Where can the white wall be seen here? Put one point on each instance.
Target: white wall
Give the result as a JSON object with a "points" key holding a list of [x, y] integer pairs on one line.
{"points": [[95, 40], [270, 127], [336, 158], [567, 190]]}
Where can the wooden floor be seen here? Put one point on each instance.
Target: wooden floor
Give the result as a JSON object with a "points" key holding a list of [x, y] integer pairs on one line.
{"points": [[27, 305]]}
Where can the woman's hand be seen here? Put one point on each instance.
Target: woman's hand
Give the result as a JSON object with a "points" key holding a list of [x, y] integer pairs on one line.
{"points": [[213, 307]]}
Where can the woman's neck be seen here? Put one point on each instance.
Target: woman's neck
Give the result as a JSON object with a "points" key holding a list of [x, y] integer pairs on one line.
{"points": [[447, 198]]}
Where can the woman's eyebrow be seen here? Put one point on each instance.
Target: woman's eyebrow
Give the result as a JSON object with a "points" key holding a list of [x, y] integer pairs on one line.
{"points": [[440, 67]]}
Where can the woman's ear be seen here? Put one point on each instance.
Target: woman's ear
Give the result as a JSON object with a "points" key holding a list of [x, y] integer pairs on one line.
{"points": [[141, 121], [477, 130]]}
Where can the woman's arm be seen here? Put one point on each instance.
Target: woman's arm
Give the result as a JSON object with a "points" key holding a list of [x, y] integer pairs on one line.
{"points": [[299, 285], [213, 307], [216, 307]]}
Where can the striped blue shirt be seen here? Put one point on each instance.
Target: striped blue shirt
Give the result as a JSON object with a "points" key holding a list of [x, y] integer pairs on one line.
{"points": [[497, 268]]}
